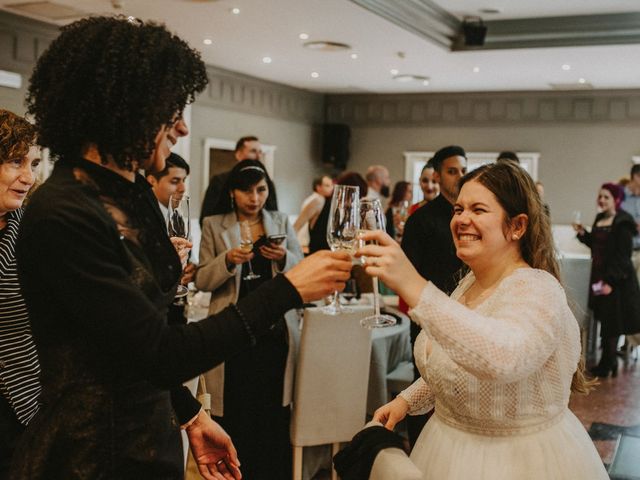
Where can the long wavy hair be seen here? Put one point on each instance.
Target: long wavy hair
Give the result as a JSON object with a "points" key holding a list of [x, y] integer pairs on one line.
{"points": [[516, 193]]}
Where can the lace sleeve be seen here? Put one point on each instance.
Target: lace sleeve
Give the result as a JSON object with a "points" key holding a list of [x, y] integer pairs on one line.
{"points": [[419, 397], [514, 340]]}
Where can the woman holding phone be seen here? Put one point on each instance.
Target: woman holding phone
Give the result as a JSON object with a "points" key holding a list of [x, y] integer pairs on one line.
{"points": [[243, 246]]}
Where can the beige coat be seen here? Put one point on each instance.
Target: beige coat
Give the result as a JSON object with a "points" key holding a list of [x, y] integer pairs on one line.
{"points": [[221, 233]]}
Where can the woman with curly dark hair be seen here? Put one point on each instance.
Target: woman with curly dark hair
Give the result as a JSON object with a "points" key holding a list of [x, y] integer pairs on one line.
{"points": [[107, 96], [19, 368]]}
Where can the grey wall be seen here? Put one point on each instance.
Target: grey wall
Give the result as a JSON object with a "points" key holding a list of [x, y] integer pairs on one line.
{"points": [[584, 138]]}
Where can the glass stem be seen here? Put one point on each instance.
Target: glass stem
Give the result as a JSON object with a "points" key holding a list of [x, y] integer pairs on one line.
{"points": [[250, 268], [336, 300], [376, 303]]}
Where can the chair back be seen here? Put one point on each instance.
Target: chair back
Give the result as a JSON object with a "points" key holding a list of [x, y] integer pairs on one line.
{"points": [[393, 464], [332, 373]]}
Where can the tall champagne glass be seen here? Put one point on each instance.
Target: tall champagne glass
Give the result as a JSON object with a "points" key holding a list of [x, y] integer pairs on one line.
{"points": [[178, 226], [246, 245], [372, 218], [342, 229]]}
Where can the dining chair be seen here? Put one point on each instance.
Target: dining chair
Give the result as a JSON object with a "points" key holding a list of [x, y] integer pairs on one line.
{"points": [[332, 373]]}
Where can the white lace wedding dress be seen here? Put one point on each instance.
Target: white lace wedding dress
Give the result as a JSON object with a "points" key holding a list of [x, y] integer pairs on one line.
{"points": [[499, 377]]}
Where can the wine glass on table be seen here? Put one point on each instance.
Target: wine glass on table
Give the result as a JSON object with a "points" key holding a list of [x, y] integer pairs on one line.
{"points": [[178, 226], [342, 230], [246, 245], [372, 218]]}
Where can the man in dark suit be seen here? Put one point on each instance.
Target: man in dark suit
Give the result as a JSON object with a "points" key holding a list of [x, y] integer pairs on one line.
{"points": [[247, 148], [428, 243]]}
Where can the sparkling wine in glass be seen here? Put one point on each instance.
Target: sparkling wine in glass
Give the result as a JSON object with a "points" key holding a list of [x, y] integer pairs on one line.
{"points": [[372, 218], [342, 229], [246, 245], [178, 226]]}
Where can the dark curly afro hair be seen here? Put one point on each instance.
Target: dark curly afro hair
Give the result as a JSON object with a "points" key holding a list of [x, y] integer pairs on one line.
{"points": [[113, 82]]}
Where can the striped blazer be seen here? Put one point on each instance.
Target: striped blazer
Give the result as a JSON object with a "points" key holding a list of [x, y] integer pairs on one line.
{"points": [[19, 367]]}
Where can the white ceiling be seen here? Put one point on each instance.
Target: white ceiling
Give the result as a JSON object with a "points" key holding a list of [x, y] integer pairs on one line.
{"points": [[271, 28]]}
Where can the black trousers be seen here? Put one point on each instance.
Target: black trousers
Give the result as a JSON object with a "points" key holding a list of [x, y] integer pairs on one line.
{"points": [[10, 430]]}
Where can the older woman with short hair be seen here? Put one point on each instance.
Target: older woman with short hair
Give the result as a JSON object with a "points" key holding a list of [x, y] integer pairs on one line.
{"points": [[19, 368]]}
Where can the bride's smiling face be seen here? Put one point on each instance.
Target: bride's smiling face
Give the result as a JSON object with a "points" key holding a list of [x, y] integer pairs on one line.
{"points": [[478, 226]]}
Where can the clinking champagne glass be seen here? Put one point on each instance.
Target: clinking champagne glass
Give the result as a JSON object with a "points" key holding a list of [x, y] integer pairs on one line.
{"points": [[342, 230], [246, 245], [372, 218], [178, 226]]}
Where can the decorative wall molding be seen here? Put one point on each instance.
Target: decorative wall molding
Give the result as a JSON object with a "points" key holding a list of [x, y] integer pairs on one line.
{"points": [[22, 41], [235, 91], [484, 108]]}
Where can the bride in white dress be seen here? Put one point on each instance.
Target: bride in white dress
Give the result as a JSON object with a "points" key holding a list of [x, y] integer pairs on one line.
{"points": [[500, 357]]}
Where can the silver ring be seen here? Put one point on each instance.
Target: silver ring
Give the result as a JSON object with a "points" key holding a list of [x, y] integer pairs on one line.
{"points": [[220, 461]]}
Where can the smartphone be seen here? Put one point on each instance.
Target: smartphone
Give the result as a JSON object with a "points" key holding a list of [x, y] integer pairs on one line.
{"points": [[277, 239]]}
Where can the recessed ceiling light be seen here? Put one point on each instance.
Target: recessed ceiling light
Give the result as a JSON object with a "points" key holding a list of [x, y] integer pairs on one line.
{"points": [[315, 74], [207, 41], [303, 36], [327, 46], [394, 71], [566, 66], [476, 69], [354, 56], [235, 11], [582, 80], [406, 78], [266, 60], [425, 83]]}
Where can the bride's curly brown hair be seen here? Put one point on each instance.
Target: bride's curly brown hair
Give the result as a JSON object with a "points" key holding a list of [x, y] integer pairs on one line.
{"points": [[113, 82]]}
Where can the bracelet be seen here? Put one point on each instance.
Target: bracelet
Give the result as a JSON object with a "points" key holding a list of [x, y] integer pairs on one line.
{"points": [[192, 421], [245, 323]]}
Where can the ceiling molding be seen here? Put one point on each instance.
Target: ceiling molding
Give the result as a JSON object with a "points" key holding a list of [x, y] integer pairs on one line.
{"points": [[421, 17], [483, 109], [431, 22], [567, 31]]}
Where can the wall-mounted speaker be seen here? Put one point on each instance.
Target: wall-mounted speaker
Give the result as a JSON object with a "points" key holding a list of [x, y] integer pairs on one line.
{"points": [[474, 32], [335, 144]]}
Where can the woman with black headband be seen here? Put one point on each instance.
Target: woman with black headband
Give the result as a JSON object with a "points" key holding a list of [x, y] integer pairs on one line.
{"points": [[98, 270], [243, 246]]}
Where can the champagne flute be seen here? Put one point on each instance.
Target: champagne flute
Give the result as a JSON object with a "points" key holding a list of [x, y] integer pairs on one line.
{"points": [[246, 245], [372, 218], [179, 226], [342, 229]]}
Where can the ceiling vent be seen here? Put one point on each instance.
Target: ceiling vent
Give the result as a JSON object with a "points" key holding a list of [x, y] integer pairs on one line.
{"points": [[51, 11], [571, 86]]}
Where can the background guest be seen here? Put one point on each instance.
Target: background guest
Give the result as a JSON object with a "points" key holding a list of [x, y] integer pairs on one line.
{"points": [[428, 185], [252, 408], [631, 204], [614, 295], [19, 368], [507, 156], [247, 148], [397, 211], [311, 208], [379, 182]]}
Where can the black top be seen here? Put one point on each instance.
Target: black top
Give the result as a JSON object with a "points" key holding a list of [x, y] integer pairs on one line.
{"points": [[19, 368], [318, 233], [98, 270], [428, 243]]}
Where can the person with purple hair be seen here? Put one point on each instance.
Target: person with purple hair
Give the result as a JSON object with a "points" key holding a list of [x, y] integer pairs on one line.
{"points": [[614, 295]]}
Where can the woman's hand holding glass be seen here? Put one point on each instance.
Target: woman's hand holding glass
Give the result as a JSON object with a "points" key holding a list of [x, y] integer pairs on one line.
{"points": [[237, 256], [387, 261]]}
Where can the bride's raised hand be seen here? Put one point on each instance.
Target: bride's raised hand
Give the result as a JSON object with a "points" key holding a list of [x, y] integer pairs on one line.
{"points": [[386, 260], [392, 413]]}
